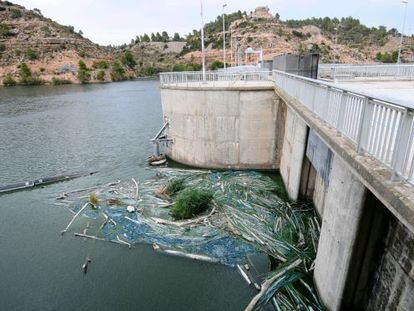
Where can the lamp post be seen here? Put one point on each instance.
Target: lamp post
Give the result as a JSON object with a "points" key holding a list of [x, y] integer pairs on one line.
{"points": [[224, 37], [405, 2], [203, 56]]}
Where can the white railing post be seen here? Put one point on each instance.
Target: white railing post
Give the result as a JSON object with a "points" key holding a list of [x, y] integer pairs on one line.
{"points": [[364, 125], [401, 146]]}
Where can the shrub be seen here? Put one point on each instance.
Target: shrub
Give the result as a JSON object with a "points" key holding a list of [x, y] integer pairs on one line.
{"points": [[2, 47], [42, 69], [4, 30], [387, 57], [298, 34], [149, 71], [102, 64], [174, 186], [191, 202], [117, 72], [26, 77], [82, 54], [216, 65], [100, 76], [9, 81], [93, 199], [46, 31], [187, 67], [31, 54], [58, 81], [15, 13], [83, 72], [128, 60]]}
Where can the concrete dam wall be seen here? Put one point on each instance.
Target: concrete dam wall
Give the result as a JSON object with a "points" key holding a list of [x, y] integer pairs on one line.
{"points": [[365, 255], [228, 127]]}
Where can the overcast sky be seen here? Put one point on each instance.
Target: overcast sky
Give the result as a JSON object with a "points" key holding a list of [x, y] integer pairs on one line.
{"points": [[118, 21]]}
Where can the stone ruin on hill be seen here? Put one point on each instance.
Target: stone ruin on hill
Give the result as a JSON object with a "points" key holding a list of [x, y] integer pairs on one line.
{"points": [[261, 12]]}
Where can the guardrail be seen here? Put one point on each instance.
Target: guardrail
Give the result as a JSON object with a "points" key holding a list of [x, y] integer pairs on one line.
{"points": [[350, 72], [195, 78], [381, 128]]}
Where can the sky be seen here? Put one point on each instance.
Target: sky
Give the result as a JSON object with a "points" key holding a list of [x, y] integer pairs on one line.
{"points": [[118, 21]]}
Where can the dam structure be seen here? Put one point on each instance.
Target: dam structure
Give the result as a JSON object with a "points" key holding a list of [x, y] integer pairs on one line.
{"points": [[342, 141]]}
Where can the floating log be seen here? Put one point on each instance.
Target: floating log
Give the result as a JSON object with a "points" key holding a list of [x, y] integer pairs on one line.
{"points": [[178, 253], [92, 237], [244, 275]]}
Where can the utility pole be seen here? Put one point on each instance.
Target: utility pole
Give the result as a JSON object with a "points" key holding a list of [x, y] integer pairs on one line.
{"points": [[203, 55], [224, 37], [231, 47], [405, 2]]}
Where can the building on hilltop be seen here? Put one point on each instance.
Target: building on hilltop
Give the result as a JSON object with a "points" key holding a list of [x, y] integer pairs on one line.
{"points": [[261, 12]]}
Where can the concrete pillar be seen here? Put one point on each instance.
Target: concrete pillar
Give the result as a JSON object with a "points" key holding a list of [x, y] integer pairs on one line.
{"points": [[342, 215], [293, 151]]}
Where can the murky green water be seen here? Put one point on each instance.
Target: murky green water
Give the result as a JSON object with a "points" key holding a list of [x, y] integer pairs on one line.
{"points": [[46, 131]]}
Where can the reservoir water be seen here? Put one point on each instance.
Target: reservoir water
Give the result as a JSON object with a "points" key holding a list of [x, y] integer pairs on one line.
{"points": [[46, 131]]}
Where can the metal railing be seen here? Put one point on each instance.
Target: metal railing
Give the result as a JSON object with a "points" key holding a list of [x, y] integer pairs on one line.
{"points": [[213, 78], [379, 127], [377, 72]]}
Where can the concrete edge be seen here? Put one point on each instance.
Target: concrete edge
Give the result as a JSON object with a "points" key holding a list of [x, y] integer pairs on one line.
{"points": [[398, 197], [219, 88]]}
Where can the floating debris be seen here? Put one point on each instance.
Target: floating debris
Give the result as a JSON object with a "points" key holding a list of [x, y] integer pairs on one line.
{"points": [[85, 265], [130, 209], [246, 216]]}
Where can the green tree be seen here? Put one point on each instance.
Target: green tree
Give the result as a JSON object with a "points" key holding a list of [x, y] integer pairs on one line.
{"points": [[145, 38], [153, 38], [128, 59], [165, 37], [8, 80], [176, 37], [24, 72], [117, 72], [84, 74], [158, 37], [277, 16]]}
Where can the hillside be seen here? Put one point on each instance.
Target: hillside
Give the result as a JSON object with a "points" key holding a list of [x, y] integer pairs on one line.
{"points": [[50, 50], [53, 53], [343, 40]]}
